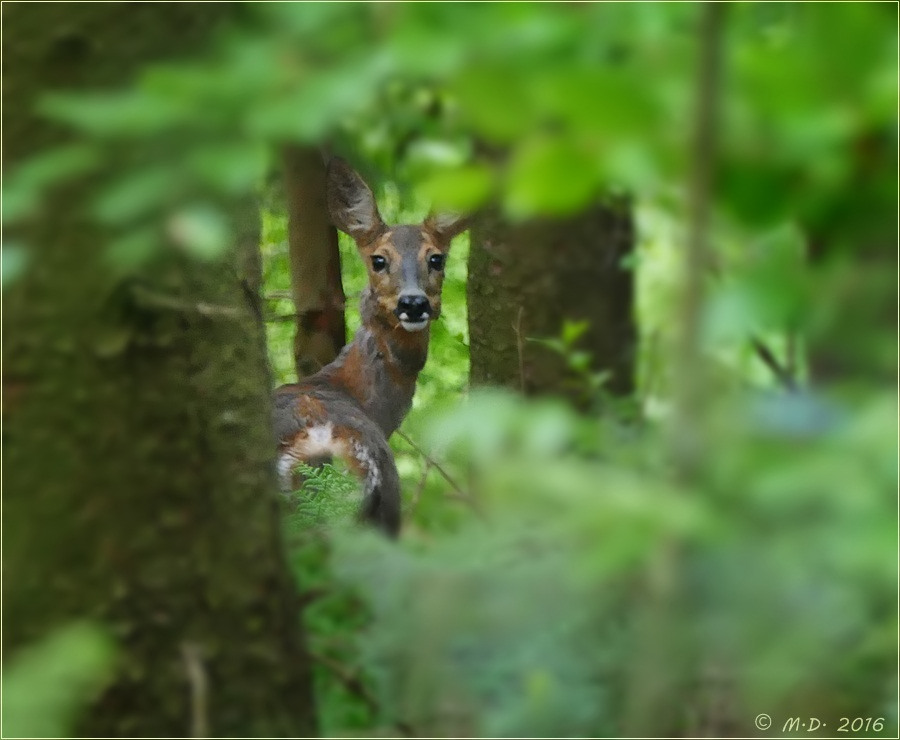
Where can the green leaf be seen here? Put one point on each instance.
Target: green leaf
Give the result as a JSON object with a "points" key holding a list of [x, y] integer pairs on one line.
{"points": [[133, 248], [495, 100], [461, 189], [138, 193], [19, 202], [421, 45], [45, 686], [117, 115], [229, 168], [24, 189], [572, 331], [201, 231], [549, 176], [13, 263]]}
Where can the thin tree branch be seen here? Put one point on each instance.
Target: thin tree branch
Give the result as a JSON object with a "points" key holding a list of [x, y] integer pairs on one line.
{"points": [[152, 299], [782, 373], [199, 685], [417, 494], [459, 493], [281, 318], [520, 347], [350, 679], [658, 671], [354, 684]]}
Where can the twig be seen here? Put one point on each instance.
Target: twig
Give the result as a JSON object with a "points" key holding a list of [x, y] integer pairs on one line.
{"points": [[350, 679], [310, 595], [281, 318], [459, 493], [520, 346], [152, 299], [781, 372], [354, 684], [196, 673], [417, 494]]}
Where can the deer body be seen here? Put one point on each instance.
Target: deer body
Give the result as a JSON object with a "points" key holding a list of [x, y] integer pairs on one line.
{"points": [[352, 405]]}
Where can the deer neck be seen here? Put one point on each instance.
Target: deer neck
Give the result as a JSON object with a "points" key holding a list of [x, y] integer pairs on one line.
{"points": [[379, 368]]}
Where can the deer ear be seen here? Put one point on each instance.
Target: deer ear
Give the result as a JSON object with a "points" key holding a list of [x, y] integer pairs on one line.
{"points": [[446, 225], [350, 202]]}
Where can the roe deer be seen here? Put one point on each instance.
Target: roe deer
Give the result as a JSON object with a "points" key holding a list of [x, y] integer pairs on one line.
{"points": [[351, 406]]}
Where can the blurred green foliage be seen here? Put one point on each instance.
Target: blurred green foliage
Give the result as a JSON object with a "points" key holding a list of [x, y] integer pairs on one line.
{"points": [[517, 602], [46, 686]]}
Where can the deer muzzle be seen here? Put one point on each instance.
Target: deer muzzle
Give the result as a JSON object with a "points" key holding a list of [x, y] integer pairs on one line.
{"points": [[414, 311]]}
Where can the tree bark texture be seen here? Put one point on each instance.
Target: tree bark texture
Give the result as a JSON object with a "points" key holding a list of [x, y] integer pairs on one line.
{"points": [[316, 286], [526, 279], [138, 486]]}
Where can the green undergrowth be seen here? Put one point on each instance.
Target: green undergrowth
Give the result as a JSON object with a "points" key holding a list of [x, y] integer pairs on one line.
{"points": [[533, 614]]}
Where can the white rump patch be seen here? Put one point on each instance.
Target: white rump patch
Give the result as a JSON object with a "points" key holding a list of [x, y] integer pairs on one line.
{"points": [[367, 462], [284, 467], [319, 441]]}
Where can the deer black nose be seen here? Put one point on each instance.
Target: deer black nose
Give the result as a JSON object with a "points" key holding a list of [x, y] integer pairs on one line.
{"points": [[413, 308]]}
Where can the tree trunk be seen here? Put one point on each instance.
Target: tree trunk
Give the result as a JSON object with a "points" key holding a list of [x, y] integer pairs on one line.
{"points": [[138, 488], [852, 249], [315, 263], [525, 280]]}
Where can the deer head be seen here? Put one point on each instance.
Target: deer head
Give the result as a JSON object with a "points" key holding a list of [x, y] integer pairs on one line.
{"points": [[405, 263]]}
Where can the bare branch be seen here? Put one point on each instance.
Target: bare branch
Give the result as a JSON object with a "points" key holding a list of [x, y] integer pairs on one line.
{"points": [[520, 347], [281, 318], [199, 685], [783, 373], [417, 494], [459, 493], [355, 685], [152, 299]]}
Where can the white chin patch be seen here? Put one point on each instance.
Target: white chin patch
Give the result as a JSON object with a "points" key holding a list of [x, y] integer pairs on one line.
{"points": [[414, 325]]}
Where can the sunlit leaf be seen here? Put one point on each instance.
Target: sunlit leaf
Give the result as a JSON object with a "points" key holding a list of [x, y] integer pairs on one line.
{"points": [[13, 262], [138, 193], [47, 685], [133, 248], [115, 115], [496, 101], [23, 190], [200, 231], [461, 189], [228, 168], [549, 176]]}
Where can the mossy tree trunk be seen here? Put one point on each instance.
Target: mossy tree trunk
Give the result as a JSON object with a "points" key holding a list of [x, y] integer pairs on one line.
{"points": [[138, 484], [526, 279], [316, 286]]}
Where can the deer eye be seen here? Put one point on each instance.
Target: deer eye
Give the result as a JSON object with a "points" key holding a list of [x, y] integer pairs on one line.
{"points": [[378, 263], [436, 261]]}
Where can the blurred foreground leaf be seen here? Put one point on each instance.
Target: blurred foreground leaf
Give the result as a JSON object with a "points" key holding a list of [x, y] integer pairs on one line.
{"points": [[13, 262], [46, 685]]}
